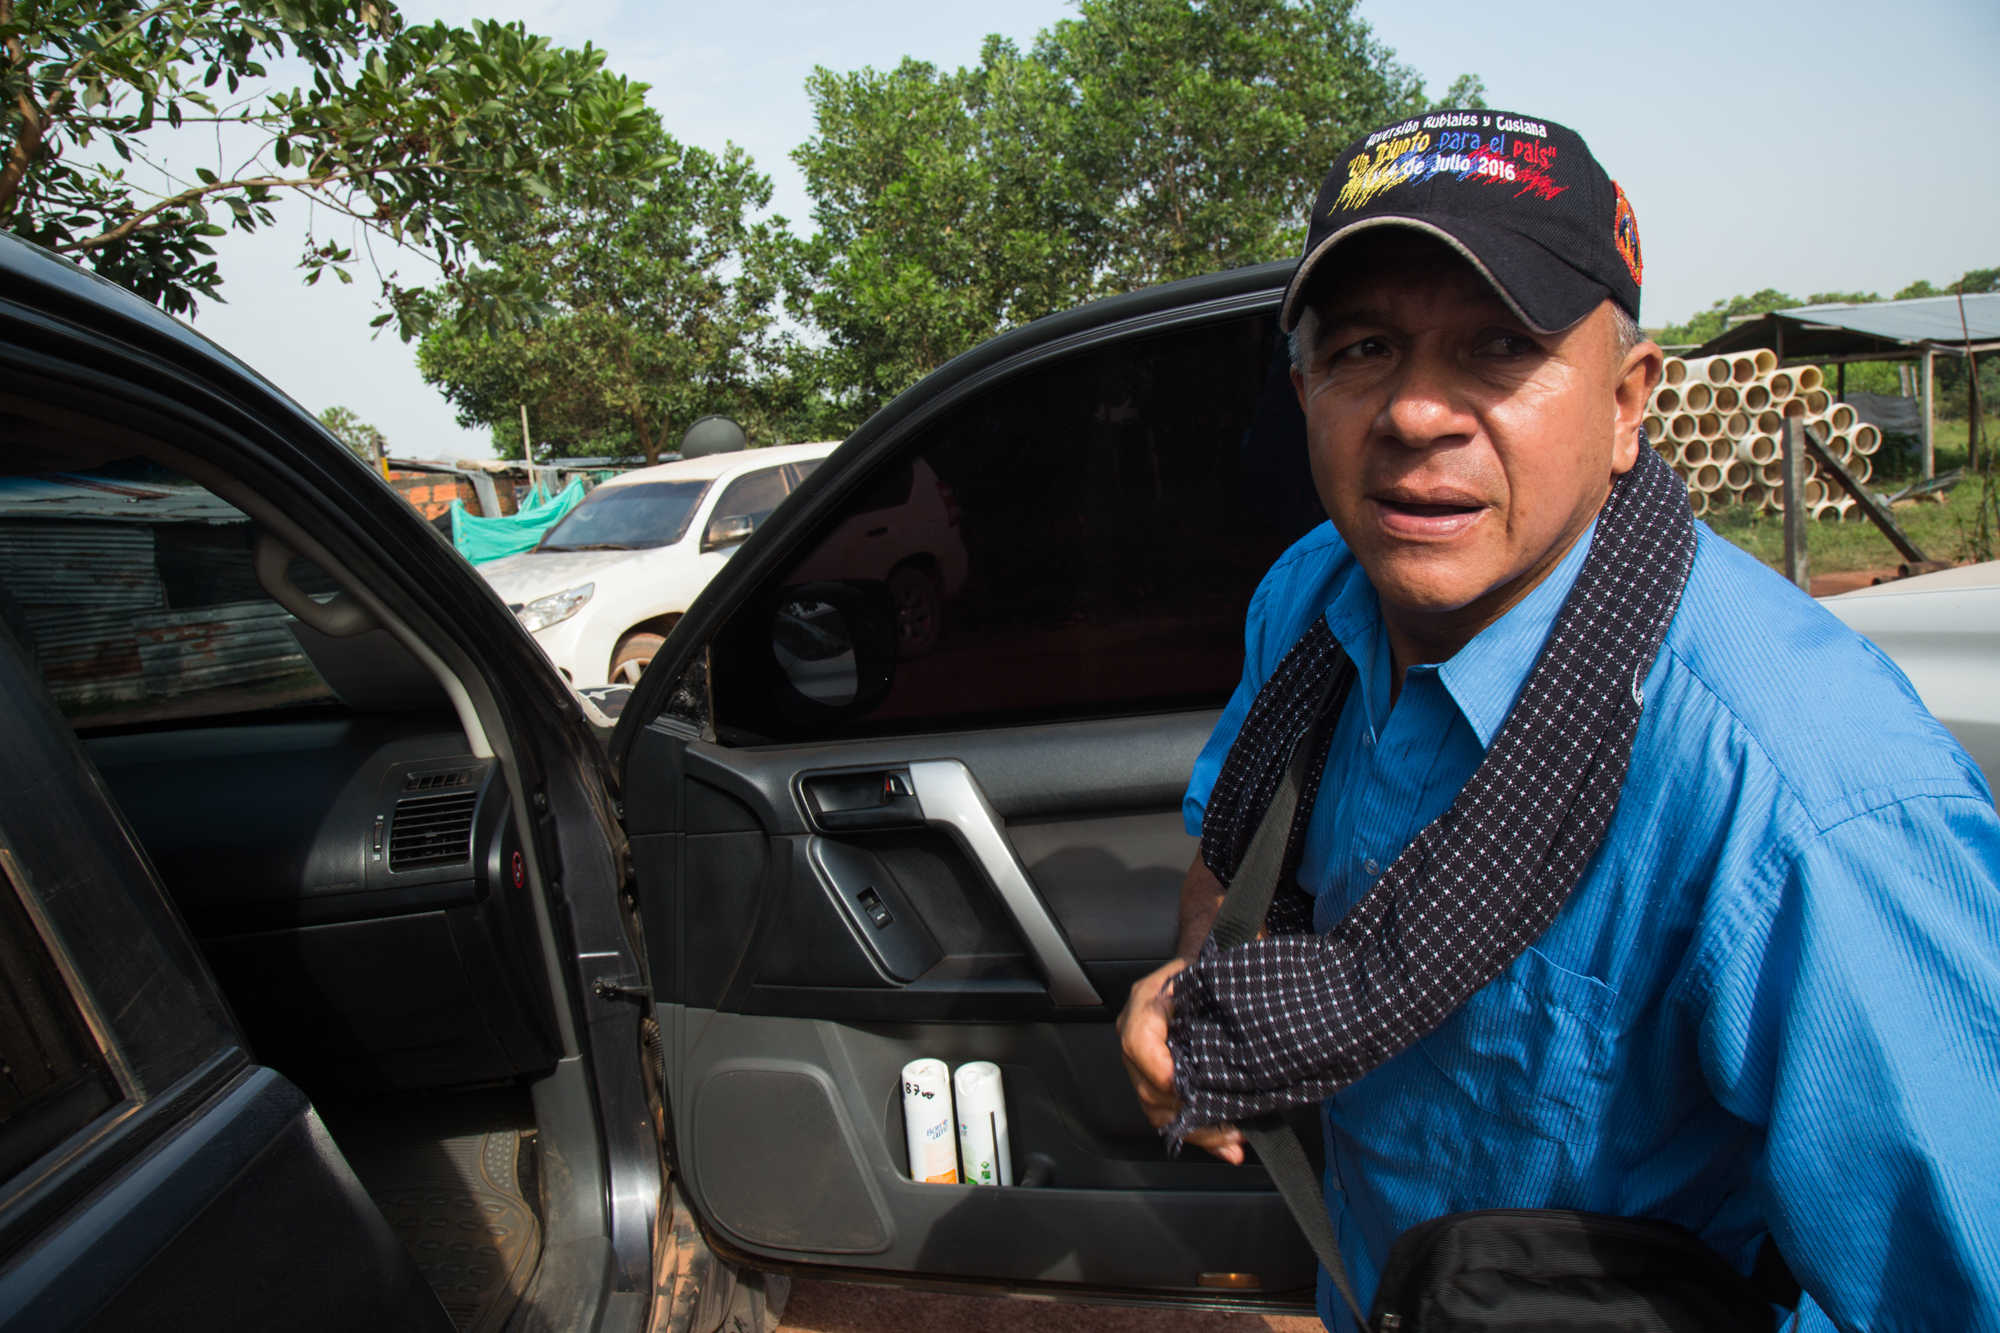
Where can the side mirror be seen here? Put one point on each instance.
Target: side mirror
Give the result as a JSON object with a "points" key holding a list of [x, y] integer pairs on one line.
{"points": [[834, 647], [801, 660], [731, 531]]}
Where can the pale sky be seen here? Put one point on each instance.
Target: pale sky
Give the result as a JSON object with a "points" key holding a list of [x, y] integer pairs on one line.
{"points": [[1842, 146]]}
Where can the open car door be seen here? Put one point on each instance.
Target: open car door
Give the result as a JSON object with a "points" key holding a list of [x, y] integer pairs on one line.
{"points": [[906, 782], [151, 1175]]}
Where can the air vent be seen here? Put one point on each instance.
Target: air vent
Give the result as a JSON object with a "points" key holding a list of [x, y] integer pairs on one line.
{"points": [[457, 777], [432, 831]]}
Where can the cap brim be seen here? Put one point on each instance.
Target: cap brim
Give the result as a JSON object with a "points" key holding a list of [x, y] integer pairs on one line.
{"points": [[1544, 292]]}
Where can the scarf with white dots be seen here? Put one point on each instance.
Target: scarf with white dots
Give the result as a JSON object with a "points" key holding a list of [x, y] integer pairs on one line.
{"points": [[1295, 1016]]}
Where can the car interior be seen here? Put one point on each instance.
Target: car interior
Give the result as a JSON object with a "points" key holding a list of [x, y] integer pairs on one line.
{"points": [[333, 826]]}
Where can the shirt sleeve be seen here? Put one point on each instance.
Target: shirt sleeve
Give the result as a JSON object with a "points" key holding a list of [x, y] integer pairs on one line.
{"points": [[1858, 1024]]}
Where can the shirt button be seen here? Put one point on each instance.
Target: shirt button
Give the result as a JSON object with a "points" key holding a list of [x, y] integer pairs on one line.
{"points": [[1370, 866]]}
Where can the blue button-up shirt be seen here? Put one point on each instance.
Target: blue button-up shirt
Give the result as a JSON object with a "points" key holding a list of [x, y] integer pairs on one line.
{"points": [[1771, 1005]]}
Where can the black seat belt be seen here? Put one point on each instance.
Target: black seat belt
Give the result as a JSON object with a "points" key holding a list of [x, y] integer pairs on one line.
{"points": [[1239, 920]]}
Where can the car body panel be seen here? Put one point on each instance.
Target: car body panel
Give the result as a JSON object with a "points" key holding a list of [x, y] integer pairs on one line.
{"points": [[1943, 630]]}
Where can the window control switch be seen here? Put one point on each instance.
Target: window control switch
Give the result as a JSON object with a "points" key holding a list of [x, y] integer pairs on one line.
{"points": [[871, 903]]}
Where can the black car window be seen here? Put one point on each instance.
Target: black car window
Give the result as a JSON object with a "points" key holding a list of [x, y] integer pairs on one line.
{"points": [[54, 1079], [132, 589], [754, 496], [748, 501], [1081, 540], [637, 516], [801, 470]]}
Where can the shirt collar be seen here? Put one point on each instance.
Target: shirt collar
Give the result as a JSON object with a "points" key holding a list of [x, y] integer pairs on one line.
{"points": [[1485, 677]]}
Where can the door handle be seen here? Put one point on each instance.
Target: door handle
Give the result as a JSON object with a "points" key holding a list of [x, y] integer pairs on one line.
{"points": [[951, 800], [858, 802]]}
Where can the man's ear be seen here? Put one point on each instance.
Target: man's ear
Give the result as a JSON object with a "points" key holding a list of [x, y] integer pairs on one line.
{"points": [[1638, 375]]}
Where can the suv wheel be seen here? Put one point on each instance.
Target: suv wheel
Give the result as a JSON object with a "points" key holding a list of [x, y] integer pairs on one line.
{"points": [[632, 656], [919, 612]]}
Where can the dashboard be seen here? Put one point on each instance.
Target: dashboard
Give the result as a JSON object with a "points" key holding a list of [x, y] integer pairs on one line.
{"points": [[357, 886]]}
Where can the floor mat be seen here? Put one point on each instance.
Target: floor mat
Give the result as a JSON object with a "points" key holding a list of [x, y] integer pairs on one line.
{"points": [[454, 1178]]}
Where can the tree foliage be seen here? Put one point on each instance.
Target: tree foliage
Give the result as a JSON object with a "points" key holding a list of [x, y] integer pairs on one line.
{"points": [[949, 205], [361, 439], [421, 135], [1208, 128], [1142, 141], [660, 305]]}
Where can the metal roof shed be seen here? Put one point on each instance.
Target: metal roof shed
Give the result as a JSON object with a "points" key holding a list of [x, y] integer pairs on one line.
{"points": [[1918, 330]]}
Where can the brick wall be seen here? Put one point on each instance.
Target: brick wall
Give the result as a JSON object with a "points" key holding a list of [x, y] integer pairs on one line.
{"points": [[431, 493]]}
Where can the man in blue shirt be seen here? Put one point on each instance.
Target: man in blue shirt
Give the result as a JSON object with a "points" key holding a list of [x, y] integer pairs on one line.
{"points": [[1770, 1007]]}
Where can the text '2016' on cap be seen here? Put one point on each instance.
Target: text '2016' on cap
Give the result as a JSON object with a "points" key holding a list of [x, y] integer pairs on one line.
{"points": [[1521, 199]]}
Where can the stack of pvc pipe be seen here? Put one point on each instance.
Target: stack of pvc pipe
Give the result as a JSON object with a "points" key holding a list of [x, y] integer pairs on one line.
{"points": [[1720, 421]]}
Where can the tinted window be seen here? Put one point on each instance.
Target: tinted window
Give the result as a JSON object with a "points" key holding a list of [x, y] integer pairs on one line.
{"points": [[132, 589], [638, 516], [53, 1078], [754, 496], [1082, 540]]}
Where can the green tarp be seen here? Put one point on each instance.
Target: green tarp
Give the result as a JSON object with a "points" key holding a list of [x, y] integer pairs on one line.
{"points": [[482, 539]]}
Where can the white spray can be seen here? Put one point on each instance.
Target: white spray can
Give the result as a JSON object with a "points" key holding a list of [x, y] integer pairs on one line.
{"points": [[982, 1124], [927, 1122]]}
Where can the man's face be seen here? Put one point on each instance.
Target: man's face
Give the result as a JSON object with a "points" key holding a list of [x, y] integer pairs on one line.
{"points": [[1459, 452]]}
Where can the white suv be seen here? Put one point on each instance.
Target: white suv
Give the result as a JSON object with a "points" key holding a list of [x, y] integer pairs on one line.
{"points": [[606, 584]]}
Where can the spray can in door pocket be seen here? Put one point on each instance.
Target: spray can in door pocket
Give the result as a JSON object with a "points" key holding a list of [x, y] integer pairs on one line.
{"points": [[927, 1122], [982, 1124]]}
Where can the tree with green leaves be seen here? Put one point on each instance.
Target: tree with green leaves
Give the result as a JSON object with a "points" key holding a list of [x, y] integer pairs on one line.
{"points": [[362, 440], [421, 136], [1142, 141], [949, 205], [1210, 126], [660, 302]]}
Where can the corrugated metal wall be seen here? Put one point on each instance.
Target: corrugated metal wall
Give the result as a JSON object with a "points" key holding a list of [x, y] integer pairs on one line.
{"points": [[92, 596]]}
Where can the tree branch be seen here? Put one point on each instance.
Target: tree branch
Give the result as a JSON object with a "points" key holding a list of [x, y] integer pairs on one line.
{"points": [[138, 221], [34, 123], [67, 79]]}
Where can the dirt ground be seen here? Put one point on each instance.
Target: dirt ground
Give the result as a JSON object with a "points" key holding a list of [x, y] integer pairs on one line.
{"points": [[832, 1307], [1829, 585]]}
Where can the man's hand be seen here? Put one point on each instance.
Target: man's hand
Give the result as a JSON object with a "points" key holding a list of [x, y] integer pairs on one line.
{"points": [[1142, 1032]]}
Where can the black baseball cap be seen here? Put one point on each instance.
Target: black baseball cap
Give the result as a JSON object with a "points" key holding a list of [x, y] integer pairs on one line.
{"points": [[1521, 199]]}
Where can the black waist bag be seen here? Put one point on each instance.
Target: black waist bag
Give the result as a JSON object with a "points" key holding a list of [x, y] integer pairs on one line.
{"points": [[1511, 1270], [1497, 1270]]}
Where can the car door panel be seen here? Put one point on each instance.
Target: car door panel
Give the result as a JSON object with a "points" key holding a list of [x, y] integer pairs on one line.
{"points": [[1099, 813], [166, 1236], [970, 846], [783, 995], [796, 1135]]}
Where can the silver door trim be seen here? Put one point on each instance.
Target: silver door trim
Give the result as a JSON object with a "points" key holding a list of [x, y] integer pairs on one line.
{"points": [[951, 800]]}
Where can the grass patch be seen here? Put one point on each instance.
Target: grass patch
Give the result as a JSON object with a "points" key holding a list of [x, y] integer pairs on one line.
{"points": [[1939, 530], [1893, 471], [1834, 548]]}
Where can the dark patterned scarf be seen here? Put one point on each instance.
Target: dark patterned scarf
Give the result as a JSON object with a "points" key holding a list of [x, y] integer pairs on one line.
{"points": [[1293, 1017]]}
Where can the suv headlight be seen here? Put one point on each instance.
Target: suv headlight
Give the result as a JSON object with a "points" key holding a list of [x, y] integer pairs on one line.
{"points": [[555, 608]]}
